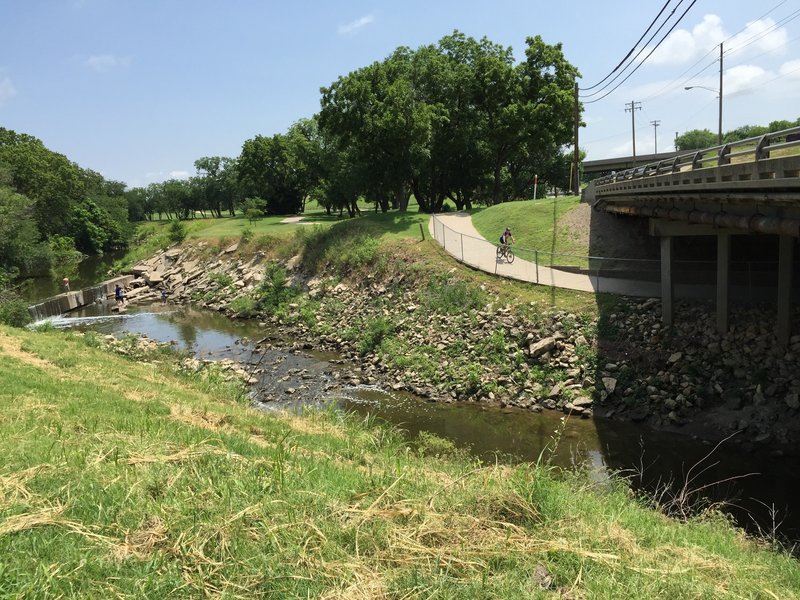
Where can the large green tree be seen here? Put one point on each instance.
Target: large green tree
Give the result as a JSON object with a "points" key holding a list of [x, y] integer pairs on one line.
{"points": [[281, 169], [451, 120]]}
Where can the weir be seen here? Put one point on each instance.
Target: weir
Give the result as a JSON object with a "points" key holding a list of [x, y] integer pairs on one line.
{"points": [[63, 303]]}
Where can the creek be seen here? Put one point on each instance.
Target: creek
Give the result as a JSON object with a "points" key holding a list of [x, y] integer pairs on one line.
{"points": [[759, 490]]}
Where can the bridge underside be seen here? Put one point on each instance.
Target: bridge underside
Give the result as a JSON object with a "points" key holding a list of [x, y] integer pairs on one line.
{"points": [[755, 198]]}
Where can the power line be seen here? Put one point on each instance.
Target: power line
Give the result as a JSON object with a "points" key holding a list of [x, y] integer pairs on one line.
{"points": [[678, 82], [646, 57], [614, 70], [638, 54]]}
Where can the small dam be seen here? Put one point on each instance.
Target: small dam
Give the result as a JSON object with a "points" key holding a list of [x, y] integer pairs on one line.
{"points": [[63, 303]]}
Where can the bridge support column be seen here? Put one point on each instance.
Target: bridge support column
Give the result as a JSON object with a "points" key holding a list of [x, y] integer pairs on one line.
{"points": [[783, 327], [723, 270], [667, 288]]}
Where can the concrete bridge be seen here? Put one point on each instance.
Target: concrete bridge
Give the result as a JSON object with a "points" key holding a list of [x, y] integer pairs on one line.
{"points": [[746, 188]]}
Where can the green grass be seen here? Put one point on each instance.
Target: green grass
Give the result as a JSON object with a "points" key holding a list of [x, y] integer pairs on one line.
{"points": [[535, 226], [130, 478]]}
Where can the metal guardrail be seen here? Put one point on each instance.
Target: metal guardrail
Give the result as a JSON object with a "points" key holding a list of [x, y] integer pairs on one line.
{"points": [[760, 147]]}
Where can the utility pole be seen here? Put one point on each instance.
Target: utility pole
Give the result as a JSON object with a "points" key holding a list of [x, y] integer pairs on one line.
{"points": [[655, 125], [719, 141], [632, 107], [676, 141], [576, 177]]}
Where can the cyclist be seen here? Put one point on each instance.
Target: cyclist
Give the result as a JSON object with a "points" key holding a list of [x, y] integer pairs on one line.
{"points": [[505, 239]]}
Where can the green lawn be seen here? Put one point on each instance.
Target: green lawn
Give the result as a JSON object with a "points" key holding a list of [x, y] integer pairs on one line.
{"points": [[535, 226]]}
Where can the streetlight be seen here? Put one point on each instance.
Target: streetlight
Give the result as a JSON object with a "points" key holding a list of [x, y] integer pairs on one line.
{"points": [[719, 91]]}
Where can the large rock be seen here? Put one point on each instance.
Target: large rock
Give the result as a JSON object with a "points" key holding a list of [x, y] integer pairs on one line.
{"points": [[542, 346]]}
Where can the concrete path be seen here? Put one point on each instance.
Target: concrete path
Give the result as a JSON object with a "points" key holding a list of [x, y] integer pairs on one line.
{"points": [[456, 234]]}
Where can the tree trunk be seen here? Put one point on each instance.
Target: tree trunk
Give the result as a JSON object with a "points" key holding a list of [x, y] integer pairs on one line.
{"points": [[496, 189]]}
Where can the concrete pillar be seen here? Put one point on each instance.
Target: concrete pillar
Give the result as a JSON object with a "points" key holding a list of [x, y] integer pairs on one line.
{"points": [[666, 280], [723, 269], [783, 329]]}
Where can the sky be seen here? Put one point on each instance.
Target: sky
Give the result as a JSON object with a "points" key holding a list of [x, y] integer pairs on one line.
{"points": [[139, 89]]}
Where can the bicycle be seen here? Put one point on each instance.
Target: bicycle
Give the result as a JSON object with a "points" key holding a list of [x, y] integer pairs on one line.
{"points": [[505, 252]]}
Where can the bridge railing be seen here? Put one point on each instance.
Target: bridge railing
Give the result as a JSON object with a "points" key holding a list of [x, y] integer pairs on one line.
{"points": [[759, 147]]}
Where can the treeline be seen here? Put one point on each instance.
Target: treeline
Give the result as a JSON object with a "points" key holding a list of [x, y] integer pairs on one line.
{"points": [[697, 139], [51, 210], [460, 120]]}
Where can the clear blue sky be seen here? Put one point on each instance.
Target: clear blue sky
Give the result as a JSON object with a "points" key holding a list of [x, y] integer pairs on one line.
{"points": [[139, 89]]}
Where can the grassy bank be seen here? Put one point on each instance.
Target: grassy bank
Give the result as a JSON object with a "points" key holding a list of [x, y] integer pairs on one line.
{"points": [[534, 224], [126, 477]]}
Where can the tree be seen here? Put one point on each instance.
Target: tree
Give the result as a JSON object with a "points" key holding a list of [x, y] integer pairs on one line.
{"points": [[21, 251], [281, 169], [696, 139], [93, 229], [254, 209]]}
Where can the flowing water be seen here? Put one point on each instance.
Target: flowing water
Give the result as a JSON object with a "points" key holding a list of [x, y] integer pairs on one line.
{"points": [[291, 378]]}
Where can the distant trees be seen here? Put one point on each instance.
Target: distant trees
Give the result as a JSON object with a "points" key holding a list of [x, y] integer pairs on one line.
{"points": [[697, 139]]}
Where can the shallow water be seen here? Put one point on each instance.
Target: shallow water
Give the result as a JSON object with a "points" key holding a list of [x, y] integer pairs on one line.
{"points": [[292, 378]]}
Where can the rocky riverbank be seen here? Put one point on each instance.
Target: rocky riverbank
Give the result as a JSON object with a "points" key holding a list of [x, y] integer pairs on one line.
{"points": [[622, 365]]}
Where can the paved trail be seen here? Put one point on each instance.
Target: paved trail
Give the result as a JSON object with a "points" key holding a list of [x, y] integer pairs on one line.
{"points": [[455, 232]]}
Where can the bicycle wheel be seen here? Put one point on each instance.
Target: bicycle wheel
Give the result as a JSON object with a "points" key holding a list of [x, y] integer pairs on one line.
{"points": [[509, 256], [499, 252]]}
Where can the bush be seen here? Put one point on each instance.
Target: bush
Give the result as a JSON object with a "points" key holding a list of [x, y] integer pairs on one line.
{"points": [[13, 310], [374, 333], [177, 231], [244, 306], [274, 293], [447, 295]]}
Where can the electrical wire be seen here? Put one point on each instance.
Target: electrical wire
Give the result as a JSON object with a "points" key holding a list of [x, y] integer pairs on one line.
{"points": [[649, 27], [679, 82], [638, 54], [646, 57]]}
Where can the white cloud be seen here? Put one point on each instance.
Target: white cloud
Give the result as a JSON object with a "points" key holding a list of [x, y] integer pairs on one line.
{"points": [[105, 62], [683, 46], [7, 90], [355, 25], [179, 174], [743, 79], [791, 69], [755, 39]]}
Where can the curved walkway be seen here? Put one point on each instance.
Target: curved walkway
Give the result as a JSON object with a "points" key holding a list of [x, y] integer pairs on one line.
{"points": [[456, 234]]}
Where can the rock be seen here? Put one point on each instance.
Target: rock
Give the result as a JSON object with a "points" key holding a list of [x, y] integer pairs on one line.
{"points": [[792, 400], [610, 384], [582, 402], [675, 357], [542, 346]]}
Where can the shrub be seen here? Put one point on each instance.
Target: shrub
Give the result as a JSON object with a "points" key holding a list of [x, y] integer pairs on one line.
{"points": [[447, 295], [177, 231], [223, 280], [274, 292], [374, 333], [13, 310], [245, 306]]}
